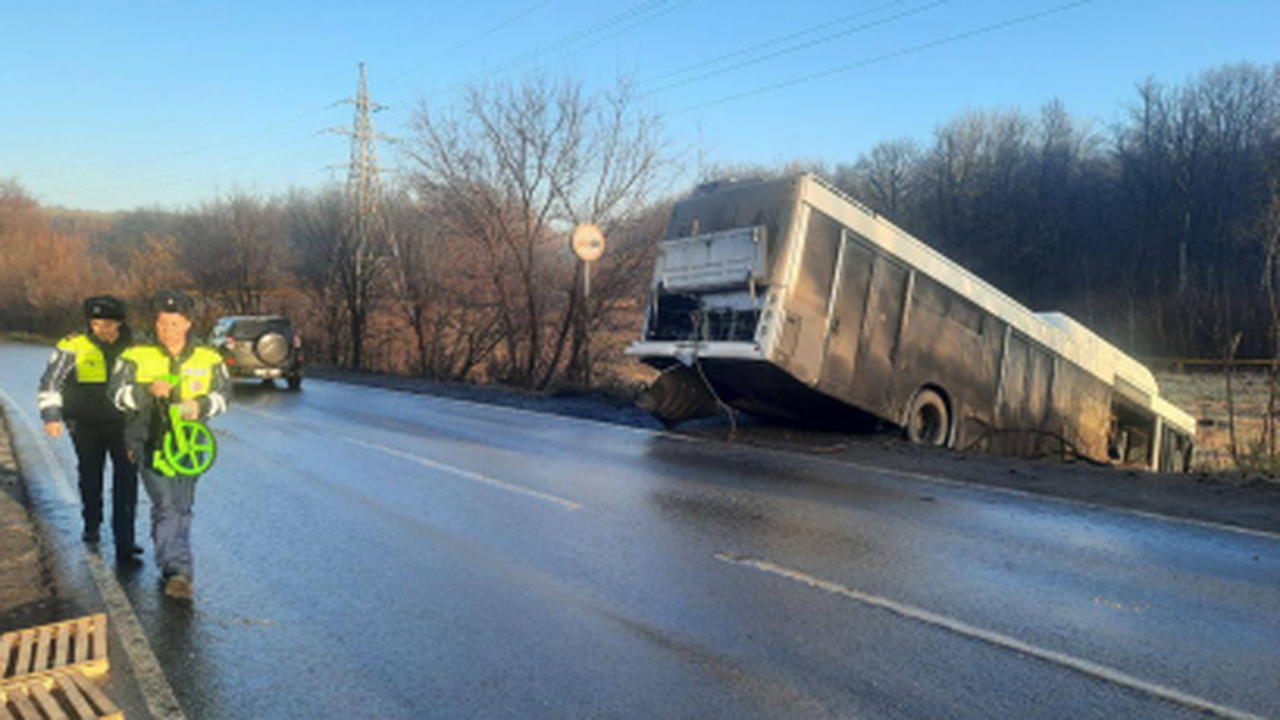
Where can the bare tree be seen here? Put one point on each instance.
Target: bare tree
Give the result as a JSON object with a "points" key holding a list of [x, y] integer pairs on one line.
{"points": [[1271, 280], [44, 274], [235, 251], [154, 266], [440, 293], [514, 170], [885, 178], [317, 226]]}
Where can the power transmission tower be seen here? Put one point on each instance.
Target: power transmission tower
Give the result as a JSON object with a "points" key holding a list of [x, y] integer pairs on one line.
{"points": [[367, 237]]}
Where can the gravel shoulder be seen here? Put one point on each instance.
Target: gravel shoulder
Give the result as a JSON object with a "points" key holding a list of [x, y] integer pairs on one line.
{"points": [[27, 590], [1219, 497]]}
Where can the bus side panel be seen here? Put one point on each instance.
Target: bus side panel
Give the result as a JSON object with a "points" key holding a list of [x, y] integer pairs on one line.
{"points": [[809, 300], [1082, 406], [949, 343], [1023, 422], [844, 330], [878, 345]]}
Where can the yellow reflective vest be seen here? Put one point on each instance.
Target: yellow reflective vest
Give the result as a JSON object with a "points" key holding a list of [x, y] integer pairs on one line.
{"points": [[195, 375], [198, 374], [74, 384], [91, 365]]}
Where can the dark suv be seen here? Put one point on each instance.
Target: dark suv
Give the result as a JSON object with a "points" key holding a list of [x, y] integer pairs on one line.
{"points": [[259, 346]]}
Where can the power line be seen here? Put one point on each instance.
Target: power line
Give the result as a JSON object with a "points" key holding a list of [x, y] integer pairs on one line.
{"points": [[747, 50], [642, 13], [630, 26], [637, 15], [274, 128], [256, 133], [984, 30], [633, 17], [473, 40], [264, 131], [801, 46], [187, 178], [290, 87], [750, 49]]}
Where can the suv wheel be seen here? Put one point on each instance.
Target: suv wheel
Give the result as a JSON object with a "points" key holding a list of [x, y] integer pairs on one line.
{"points": [[295, 382]]}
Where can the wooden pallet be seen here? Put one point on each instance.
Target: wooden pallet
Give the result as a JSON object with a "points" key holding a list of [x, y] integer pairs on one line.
{"points": [[79, 644], [58, 695]]}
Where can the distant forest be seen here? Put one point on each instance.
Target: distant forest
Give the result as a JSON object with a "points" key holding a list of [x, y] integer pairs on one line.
{"points": [[1160, 231]]}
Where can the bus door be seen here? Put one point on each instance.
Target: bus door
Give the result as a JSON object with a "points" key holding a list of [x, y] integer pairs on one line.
{"points": [[877, 348], [844, 325]]}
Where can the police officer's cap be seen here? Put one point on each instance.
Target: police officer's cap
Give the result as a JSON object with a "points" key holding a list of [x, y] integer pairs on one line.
{"points": [[173, 301], [104, 307]]}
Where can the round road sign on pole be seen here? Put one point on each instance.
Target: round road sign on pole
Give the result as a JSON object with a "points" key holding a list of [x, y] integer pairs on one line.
{"points": [[588, 242]]}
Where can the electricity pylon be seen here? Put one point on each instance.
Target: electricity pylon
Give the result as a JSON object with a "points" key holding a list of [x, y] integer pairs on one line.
{"points": [[367, 236]]}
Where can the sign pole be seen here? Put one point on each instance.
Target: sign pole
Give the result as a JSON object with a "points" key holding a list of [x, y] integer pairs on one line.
{"points": [[588, 244], [586, 308]]}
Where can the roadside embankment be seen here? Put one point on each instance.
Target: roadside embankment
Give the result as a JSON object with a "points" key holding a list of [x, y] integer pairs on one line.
{"points": [[27, 591]]}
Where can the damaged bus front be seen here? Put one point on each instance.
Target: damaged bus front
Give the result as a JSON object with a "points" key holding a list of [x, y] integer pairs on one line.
{"points": [[715, 319]]}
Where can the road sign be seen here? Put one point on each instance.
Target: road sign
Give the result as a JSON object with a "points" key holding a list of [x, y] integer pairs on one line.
{"points": [[588, 242]]}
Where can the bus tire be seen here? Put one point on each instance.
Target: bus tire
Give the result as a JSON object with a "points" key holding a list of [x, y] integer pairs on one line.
{"points": [[928, 420]]}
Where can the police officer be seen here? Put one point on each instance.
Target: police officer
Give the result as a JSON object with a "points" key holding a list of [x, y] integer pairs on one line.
{"points": [[147, 380], [73, 392]]}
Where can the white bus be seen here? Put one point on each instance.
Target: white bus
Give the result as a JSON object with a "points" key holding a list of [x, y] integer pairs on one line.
{"points": [[787, 298]]}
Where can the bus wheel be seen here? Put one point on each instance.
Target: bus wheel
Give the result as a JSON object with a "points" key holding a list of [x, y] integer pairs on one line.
{"points": [[928, 422]]}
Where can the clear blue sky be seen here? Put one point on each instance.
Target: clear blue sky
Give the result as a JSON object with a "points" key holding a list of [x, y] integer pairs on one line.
{"points": [[119, 104]]}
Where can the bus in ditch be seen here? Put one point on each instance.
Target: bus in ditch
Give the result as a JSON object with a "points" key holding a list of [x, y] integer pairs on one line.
{"points": [[787, 298]]}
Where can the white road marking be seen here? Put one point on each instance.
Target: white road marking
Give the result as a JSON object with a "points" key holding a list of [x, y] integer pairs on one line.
{"points": [[1084, 667], [469, 475], [921, 477], [156, 691], [436, 465]]}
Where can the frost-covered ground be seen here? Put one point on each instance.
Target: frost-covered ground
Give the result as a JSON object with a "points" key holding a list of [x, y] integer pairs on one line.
{"points": [[1204, 395]]}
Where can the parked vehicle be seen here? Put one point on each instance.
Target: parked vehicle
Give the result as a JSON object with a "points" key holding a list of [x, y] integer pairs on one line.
{"points": [[260, 346], [790, 299]]}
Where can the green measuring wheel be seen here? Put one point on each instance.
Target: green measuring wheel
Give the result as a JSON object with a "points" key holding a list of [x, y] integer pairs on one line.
{"points": [[188, 449]]}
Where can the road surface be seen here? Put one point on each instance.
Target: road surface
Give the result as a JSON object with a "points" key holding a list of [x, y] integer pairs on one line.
{"points": [[365, 553]]}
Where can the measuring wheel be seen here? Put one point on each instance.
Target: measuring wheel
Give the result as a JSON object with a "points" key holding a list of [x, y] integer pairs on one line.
{"points": [[188, 449]]}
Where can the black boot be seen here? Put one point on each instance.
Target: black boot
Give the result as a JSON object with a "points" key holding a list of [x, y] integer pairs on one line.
{"points": [[126, 560]]}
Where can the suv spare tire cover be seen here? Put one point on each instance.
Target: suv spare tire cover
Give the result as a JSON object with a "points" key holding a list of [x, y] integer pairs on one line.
{"points": [[272, 348]]}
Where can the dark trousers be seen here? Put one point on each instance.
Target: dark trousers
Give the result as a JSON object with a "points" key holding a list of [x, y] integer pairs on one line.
{"points": [[94, 442]]}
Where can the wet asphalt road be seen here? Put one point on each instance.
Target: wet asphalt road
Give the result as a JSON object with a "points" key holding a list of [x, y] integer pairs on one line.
{"points": [[364, 553]]}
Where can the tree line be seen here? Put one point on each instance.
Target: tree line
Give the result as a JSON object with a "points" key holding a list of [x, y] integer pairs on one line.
{"points": [[1153, 231], [1158, 231]]}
